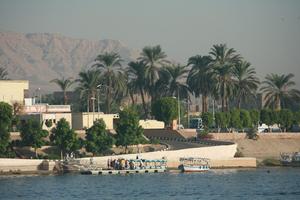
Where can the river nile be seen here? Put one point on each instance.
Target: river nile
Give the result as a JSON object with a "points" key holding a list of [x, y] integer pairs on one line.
{"points": [[261, 183]]}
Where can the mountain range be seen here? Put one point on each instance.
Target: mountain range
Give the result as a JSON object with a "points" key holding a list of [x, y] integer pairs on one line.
{"points": [[41, 57]]}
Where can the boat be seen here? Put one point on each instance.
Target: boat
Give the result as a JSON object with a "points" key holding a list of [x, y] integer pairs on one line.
{"points": [[126, 166], [194, 164], [290, 159]]}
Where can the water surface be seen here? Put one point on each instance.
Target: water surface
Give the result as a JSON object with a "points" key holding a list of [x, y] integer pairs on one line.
{"points": [[262, 183]]}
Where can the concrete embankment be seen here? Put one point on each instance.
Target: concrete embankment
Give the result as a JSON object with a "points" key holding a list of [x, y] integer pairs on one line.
{"points": [[21, 166], [220, 157]]}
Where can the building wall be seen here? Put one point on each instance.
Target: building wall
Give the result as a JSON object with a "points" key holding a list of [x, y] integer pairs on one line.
{"points": [[152, 124], [85, 120], [13, 90], [55, 117]]}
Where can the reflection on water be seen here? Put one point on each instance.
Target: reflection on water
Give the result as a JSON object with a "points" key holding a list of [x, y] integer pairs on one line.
{"points": [[263, 183]]}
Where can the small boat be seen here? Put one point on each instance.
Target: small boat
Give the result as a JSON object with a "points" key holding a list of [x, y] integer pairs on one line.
{"points": [[290, 159], [193, 164]]}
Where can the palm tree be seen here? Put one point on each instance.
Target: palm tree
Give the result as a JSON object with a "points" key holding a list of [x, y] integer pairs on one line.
{"points": [[278, 92], [223, 61], [3, 73], [88, 82], [109, 65], [176, 78], [64, 84], [245, 81], [137, 72], [200, 78], [154, 59]]}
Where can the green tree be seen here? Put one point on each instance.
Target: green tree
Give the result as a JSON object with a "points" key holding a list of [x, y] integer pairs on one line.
{"points": [[64, 137], [3, 73], [97, 138], [245, 82], [165, 109], [222, 120], [245, 119], [224, 60], [278, 92], [64, 84], [285, 119], [137, 73], [128, 130], [153, 58], [255, 116], [176, 76], [265, 116], [33, 135], [207, 119], [296, 118], [235, 121], [201, 78], [88, 82], [111, 71], [5, 122]]}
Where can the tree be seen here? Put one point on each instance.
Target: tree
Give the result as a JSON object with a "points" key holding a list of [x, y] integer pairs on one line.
{"points": [[265, 116], [176, 76], [128, 129], [97, 138], [223, 61], [109, 65], [64, 84], [245, 82], [285, 119], [255, 116], [165, 109], [3, 73], [222, 120], [207, 119], [33, 135], [137, 73], [278, 92], [235, 121], [296, 118], [245, 119], [64, 137], [153, 58], [5, 122], [88, 82], [201, 78]]}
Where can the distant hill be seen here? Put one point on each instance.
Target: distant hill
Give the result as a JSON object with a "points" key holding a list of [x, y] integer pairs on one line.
{"points": [[41, 57]]}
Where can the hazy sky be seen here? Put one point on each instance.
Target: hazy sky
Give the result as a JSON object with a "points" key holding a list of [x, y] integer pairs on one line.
{"points": [[265, 32]]}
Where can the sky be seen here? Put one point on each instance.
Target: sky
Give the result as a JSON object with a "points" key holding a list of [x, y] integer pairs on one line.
{"points": [[265, 32]]}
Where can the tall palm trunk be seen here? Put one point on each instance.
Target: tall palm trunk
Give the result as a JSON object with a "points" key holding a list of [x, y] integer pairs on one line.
{"points": [[109, 95], [65, 97], [144, 103]]}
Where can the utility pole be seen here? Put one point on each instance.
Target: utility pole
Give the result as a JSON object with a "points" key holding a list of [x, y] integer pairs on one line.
{"points": [[178, 109]]}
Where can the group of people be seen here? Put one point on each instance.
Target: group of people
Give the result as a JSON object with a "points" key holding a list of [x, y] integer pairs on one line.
{"points": [[123, 164]]}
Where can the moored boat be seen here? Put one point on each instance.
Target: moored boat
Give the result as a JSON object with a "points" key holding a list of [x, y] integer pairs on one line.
{"points": [[193, 164]]}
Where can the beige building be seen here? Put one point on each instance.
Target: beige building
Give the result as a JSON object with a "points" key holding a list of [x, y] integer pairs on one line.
{"points": [[151, 124], [45, 112], [86, 119], [12, 91]]}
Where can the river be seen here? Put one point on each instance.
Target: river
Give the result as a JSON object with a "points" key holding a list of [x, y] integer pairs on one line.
{"points": [[260, 183]]}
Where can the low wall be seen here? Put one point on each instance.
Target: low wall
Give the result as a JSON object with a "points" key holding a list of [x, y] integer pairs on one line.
{"points": [[237, 136], [214, 152], [25, 165]]}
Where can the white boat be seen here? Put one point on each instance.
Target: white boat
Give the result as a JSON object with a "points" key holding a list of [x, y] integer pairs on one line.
{"points": [[193, 164]]}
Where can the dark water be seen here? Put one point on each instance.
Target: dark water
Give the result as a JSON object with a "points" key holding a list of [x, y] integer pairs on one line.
{"points": [[263, 183]]}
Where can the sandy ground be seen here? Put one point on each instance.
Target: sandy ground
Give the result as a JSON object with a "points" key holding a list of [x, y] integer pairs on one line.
{"points": [[267, 148]]}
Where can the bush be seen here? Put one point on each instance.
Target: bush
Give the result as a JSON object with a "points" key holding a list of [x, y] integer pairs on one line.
{"points": [[251, 133]]}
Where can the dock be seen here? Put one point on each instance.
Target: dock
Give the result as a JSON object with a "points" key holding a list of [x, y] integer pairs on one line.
{"points": [[130, 171]]}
